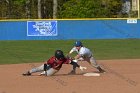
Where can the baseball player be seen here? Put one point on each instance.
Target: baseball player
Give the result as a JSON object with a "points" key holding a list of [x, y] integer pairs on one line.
{"points": [[84, 54], [53, 65]]}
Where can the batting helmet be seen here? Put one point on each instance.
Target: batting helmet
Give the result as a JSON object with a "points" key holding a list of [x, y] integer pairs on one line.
{"points": [[78, 43], [59, 54]]}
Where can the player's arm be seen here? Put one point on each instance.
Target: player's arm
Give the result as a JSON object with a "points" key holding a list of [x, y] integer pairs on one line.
{"points": [[71, 51], [77, 65], [74, 64]]}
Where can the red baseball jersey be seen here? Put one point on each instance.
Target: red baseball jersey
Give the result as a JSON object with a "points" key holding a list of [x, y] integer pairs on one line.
{"points": [[57, 64]]}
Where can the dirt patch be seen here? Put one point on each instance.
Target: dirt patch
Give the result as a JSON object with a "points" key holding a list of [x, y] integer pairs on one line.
{"points": [[123, 76]]}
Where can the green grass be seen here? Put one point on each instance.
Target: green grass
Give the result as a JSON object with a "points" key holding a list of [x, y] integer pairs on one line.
{"points": [[38, 51]]}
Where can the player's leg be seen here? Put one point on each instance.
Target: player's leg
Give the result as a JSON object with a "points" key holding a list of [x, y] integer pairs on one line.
{"points": [[49, 72], [33, 70], [37, 69], [93, 62]]}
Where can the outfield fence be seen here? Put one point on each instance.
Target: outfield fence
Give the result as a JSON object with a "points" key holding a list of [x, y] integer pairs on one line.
{"points": [[65, 29]]}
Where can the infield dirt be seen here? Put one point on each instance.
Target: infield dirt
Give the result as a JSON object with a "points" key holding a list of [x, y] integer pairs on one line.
{"points": [[122, 76]]}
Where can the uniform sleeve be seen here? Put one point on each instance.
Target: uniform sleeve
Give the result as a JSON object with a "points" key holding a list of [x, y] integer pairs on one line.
{"points": [[72, 50], [67, 61]]}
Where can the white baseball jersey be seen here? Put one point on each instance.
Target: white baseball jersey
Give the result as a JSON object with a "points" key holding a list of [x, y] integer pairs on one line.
{"points": [[84, 52]]}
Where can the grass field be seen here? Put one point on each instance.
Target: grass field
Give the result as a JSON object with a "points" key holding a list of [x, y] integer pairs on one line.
{"points": [[37, 51]]}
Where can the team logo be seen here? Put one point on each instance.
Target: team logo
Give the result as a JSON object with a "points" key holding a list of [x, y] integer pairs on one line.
{"points": [[41, 28]]}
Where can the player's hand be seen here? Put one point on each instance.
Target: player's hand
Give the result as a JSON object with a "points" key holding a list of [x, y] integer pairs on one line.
{"points": [[82, 68]]}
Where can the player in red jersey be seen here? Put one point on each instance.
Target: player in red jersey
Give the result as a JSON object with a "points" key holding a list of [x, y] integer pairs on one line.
{"points": [[53, 65]]}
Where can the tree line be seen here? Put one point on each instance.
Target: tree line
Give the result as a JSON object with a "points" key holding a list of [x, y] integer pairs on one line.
{"points": [[49, 9]]}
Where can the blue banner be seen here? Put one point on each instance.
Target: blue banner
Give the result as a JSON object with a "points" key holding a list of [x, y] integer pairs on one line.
{"points": [[41, 28], [70, 29]]}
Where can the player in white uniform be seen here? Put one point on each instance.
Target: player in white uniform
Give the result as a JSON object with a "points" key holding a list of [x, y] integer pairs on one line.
{"points": [[84, 54]]}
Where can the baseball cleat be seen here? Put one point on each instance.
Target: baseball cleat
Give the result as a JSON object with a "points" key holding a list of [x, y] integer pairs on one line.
{"points": [[26, 73]]}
